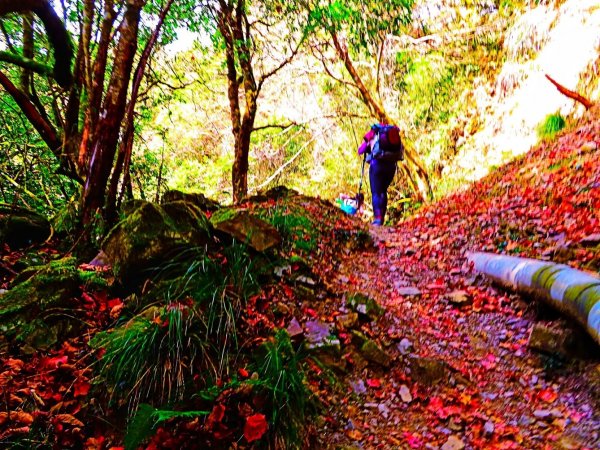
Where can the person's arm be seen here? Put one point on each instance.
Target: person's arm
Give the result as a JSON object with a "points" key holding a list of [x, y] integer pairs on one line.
{"points": [[365, 146]]}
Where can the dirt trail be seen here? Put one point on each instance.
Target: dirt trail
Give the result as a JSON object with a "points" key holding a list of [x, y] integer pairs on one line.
{"points": [[462, 375]]}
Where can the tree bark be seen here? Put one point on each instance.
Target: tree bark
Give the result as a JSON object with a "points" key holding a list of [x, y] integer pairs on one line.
{"points": [[124, 156], [103, 148], [234, 28]]}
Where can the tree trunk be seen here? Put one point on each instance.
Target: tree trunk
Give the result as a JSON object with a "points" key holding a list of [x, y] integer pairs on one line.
{"points": [[126, 147], [571, 94], [234, 28], [103, 148]]}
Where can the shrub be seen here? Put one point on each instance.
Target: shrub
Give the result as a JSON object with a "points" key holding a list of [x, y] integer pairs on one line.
{"points": [[551, 125]]}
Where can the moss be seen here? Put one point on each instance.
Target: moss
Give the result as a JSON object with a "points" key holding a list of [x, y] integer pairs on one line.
{"points": [[582, 298], [93, 279], [544, 278]]}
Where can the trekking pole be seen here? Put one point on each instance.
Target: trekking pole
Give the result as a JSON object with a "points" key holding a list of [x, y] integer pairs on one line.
{"points": [[360, 197]]}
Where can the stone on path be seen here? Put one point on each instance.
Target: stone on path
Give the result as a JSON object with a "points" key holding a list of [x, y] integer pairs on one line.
{"points": [[591, 241], [453, 443], [408, 291]]}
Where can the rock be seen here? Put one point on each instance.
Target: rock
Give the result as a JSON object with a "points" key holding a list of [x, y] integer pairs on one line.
{"points": [[549, 340], [409, 291], [405, 394], [28, 310], [197, 199], [358, 387], [543, 414], [358, 338], [20, 227], [588, 147], [244, 227], [427, 370], [405, 346], [460, 298], [349, 320], [318, 335], [151, 234], [294, 329], [453, 443], [373, 353], [488, 428], [365, 306], [591, 241]]}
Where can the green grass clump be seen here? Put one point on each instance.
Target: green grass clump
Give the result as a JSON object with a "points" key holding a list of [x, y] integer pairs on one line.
{"points": [[282, 383], [297, 230], [551, 125], [151, 357]]}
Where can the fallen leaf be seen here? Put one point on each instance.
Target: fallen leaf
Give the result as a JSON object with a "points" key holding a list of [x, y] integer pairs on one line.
{"points": [[256, 426]]}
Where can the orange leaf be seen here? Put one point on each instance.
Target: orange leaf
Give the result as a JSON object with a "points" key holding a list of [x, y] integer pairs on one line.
{"points": [[69, 420]]}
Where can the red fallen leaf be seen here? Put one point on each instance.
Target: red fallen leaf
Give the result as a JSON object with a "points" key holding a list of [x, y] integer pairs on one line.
{"points": [[413, 440], [94, 443], [53, 363], [215, 416], [435, 404], [489, 362], [256, 426], [21, 417], [81, 389], [243, 373], [548, 395], [14, 364], [310, 312], [374, 383], [114, 302]]}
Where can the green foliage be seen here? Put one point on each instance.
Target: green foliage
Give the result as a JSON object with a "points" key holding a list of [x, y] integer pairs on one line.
{"points": [[150, 357], [147, 418], [282, 382], [551, 125], [297, 230]]}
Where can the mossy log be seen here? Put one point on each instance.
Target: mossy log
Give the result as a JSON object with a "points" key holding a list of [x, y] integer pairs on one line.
{"points": [[571, 291]]}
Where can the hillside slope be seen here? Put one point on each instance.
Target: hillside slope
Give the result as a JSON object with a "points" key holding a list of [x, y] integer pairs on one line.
{"points": [[561, 42], [483, 387]]}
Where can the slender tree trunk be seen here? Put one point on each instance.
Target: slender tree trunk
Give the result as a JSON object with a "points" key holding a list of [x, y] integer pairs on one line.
{"points": [[95, 83], [126, 147], [104, 146], [26, 74], [233, 25]]}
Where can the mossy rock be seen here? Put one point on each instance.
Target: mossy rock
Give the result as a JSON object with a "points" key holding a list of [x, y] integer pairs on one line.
{"points": [[246, 228], [365, 306], [151, 235], [28, 310], [20, 227], [195, 198]]}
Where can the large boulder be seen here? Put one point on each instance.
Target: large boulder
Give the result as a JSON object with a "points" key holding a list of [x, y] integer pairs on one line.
{"points": [[151, 234], [247, 228], [28, 311], [20, 227], [196, 198]]}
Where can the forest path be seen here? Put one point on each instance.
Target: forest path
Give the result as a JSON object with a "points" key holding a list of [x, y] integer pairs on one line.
{"points": [[474, 383]]}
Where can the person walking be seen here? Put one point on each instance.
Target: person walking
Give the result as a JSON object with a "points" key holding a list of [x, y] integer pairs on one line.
{"points": [[382, 155]]}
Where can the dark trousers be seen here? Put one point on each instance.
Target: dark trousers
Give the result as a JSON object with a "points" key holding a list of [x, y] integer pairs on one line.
{"points": [[381, 174]]}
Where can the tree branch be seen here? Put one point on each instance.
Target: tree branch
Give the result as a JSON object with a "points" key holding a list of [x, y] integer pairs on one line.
{"points": [[25, 63], [569, 93]]}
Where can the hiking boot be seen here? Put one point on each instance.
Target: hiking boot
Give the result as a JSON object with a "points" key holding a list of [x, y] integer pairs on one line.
{"points": [[377, 222]]}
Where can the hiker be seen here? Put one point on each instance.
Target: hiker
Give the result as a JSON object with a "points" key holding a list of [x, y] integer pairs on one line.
{"points": [[382, 150]]}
